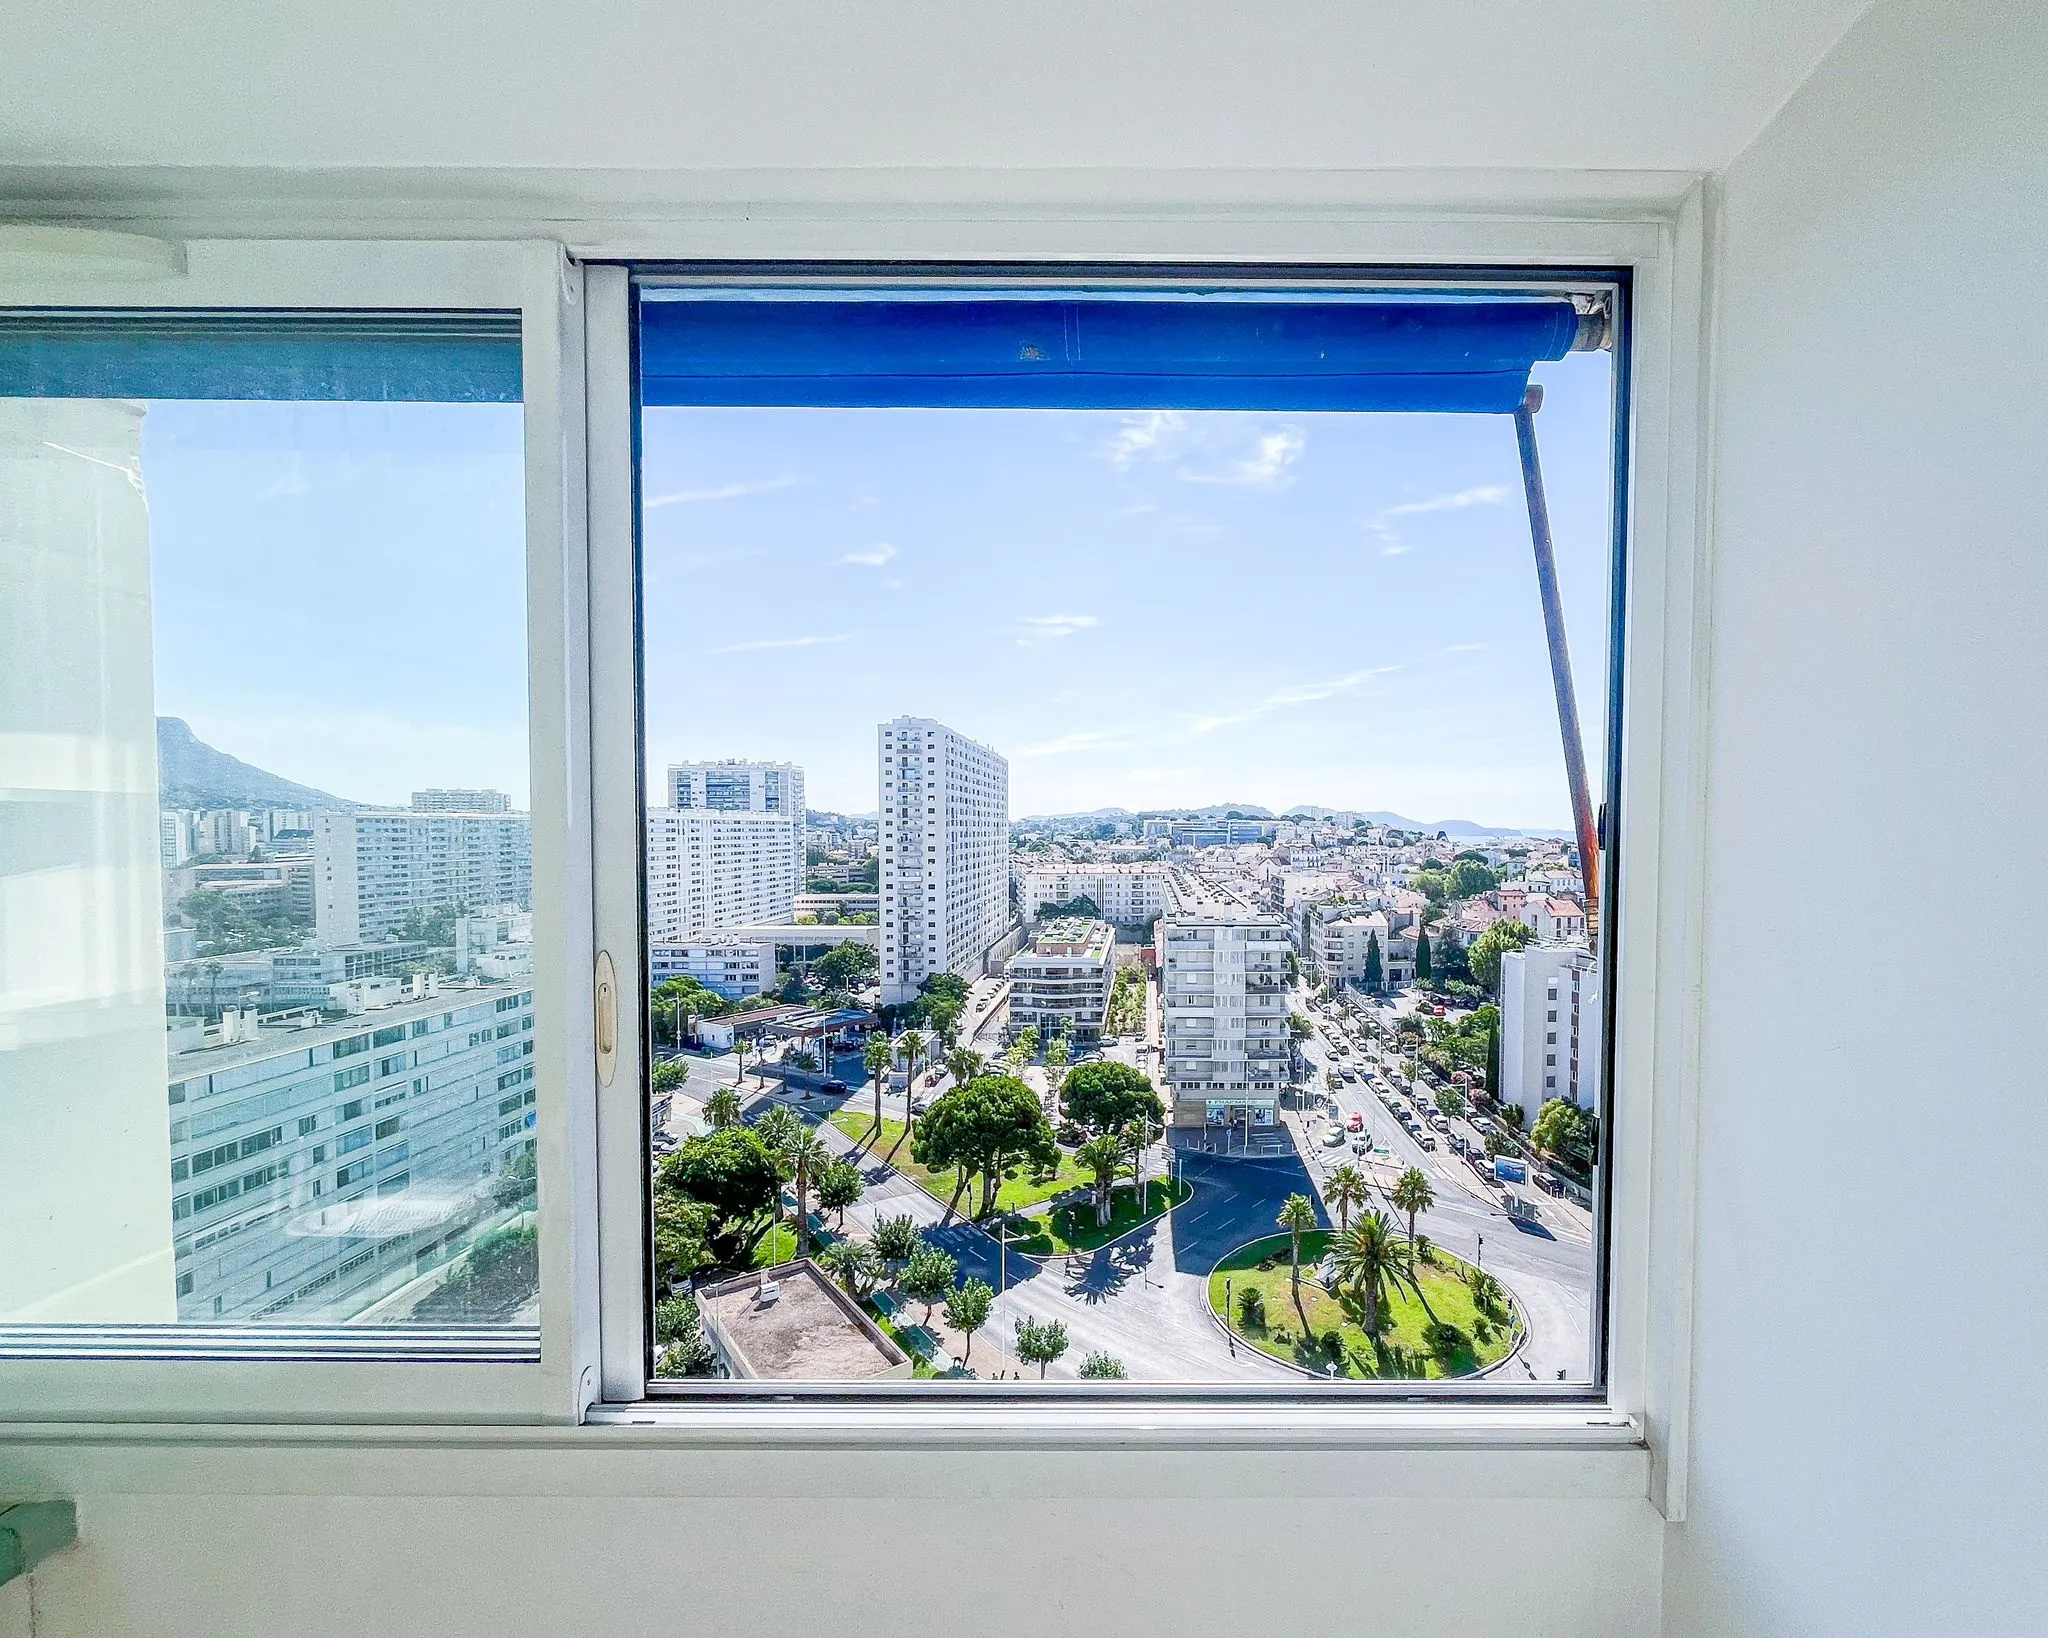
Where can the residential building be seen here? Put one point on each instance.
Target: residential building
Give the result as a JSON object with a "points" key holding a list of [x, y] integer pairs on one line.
{"points": [[307, 977], [1223, 992], [841, 905], [316, 1170], [745, 787], [1219, 832], [1556, 921], [373, 867], [174, 839], [945, 879], [1550, 1027], [460, 801], [1060, 983], [1129, 895], [1340, 940], [740, 961], [791, 1323], [710, 868]]}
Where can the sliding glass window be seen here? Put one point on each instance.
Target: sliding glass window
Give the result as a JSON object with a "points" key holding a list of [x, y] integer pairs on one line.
{"points": [[1124, 898], [266, 1005]]}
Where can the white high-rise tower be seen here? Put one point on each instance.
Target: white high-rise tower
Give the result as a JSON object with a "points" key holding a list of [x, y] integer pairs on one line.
{"points": [[745, 787], [945, 879]]}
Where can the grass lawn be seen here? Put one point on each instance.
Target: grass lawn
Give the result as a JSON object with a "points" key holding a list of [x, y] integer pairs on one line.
{"points": [[778, 1245], [1018, 1191], [1402, 1352], [1074, 1228]]}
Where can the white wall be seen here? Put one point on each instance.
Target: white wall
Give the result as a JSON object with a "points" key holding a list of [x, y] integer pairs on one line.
{"points": [[309, 1542], [1872, 1317]]}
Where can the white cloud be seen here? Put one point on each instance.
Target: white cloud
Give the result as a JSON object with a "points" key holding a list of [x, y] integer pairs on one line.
{"points": [[727, 491], [1267, 467], [1034, 628], [1143, 435], [1465, 648], [873, 558], [1098, 740], [780, 642], [1391, 544], [1299, 694]]}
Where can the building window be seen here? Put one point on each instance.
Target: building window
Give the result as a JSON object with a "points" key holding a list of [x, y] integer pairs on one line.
{"points": [[352, 484], [1169, 487]]}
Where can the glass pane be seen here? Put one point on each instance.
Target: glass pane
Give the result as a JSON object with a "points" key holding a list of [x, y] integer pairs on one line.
{"points": [[266, 1009], [1189, 892]]}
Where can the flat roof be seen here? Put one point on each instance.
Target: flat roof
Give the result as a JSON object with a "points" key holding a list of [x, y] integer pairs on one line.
{"points": [[810, 1332], [214, 1057]]}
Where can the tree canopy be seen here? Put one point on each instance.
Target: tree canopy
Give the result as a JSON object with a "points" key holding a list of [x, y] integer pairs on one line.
{"points": [[1107, 1097], [1487, 949], [1567, 1132], [990, 1124], [847, 966], [732, 1172]]}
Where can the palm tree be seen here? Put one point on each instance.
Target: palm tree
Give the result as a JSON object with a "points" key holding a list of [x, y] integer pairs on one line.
{"points": [[1297, 1217], [1104, 1156], [1058, 1054], [808, 1156], [857, 1265], [1369, 1261], [1412, 1194], [913, 1046], [880, 1054], [1346, 1189], [722, 1109], [963, 1064], [739, 1046], [1136, 1138]]}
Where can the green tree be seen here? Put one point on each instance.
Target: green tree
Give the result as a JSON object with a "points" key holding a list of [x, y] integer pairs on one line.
{"points": [[1102, 1367], [1059, 1052], [808, 1160], [847, 966], [1487, 949], [1106, 1097], [1450, 1102], [682, 1237], [1566, 1132], [1470, 878], [839, 1186], [880, 1053], [1347, 1190], [897, 1240], [722, 1109], [1435, 885], [854, 1265], [1421, 954], [1297, 1217], [928, 1276], [1412, 1194], [1026, 1041], [679, 1333], [1375, 971], [733, 1173], [911, 1046], [1299, 1027], [669, 1074], [1103, 1155], [1368, 1263], [963, 1064], [1251, 1309], [1447, 956], [967, 1312], [1040, 1342], [984, 1127]]}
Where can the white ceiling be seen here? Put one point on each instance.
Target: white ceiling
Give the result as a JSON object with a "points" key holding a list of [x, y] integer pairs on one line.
{"points": [[800, 85]]}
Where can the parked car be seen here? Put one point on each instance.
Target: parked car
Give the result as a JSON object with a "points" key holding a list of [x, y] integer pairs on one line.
{"points": [[1360, 1144], [1428, 1142], [1333, 1138], [1356, 1123], [834, 1088]]}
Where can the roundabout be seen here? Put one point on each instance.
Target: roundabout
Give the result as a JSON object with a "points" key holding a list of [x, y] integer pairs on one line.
{"points": [[1449, 1321]]}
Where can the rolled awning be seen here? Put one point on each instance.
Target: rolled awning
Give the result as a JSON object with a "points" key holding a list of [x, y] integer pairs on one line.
{"points": [[1388, 353]]}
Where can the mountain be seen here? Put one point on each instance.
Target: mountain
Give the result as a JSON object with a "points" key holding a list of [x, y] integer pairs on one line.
{"points": [[1394, 821], [192, 774]]}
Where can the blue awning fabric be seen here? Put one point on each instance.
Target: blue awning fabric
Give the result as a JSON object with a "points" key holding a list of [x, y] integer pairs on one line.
{"points": [[1450, 353], [435, 358]]}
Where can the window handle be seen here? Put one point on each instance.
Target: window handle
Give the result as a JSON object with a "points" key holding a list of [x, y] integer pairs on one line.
{"points": [[607, 1020]]}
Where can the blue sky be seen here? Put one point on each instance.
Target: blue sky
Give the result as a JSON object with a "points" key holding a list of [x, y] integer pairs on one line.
{"points": [[1138, 610], [340, 589]]}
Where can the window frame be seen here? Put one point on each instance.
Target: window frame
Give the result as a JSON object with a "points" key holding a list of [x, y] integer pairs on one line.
{"points": [[581, 603], [1642, 1293], [191, 1372]]}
